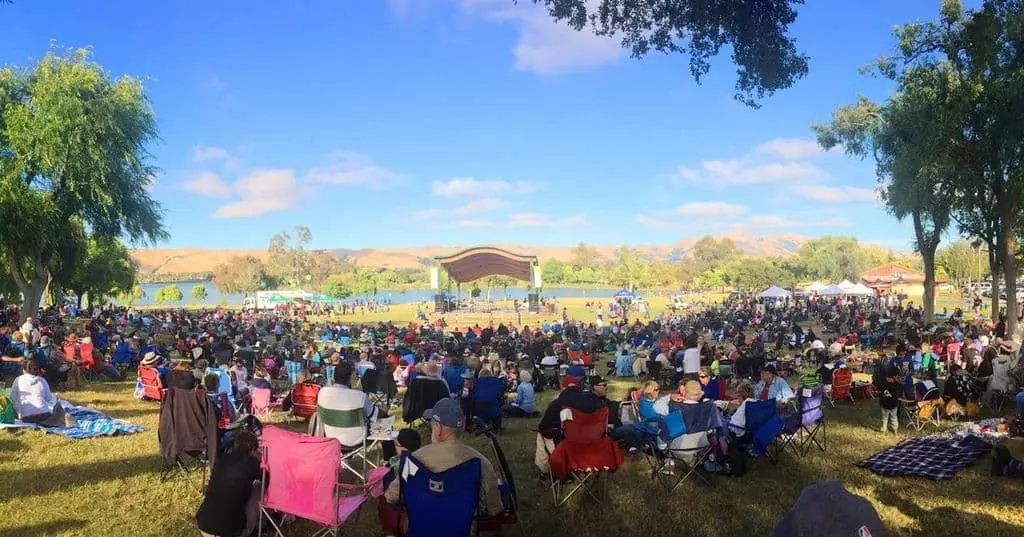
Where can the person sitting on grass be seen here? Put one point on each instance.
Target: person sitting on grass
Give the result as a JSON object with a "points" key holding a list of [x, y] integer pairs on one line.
{"points": [[522, 403], [34, 402], [230, 506]]}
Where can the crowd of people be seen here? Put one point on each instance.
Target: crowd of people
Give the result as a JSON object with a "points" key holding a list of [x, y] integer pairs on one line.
{"points": [[463, 378]]}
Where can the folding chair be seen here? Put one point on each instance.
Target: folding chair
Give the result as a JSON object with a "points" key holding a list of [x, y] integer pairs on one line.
{"points": [[584, 454], [261, 403], [725, 369], [305, 484], [379, 392], [186, 454], [802, 429], [507, 487], [762, 428], [152, 386], [550, 376], [292, 369], [926, 406], [439, 503], [842, 387], [304, 400], [224, 386], [350, 427], [672, 447], [488, 397]]}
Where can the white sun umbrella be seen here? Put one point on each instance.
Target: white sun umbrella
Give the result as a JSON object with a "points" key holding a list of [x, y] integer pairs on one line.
{"points": [[775, 292]]}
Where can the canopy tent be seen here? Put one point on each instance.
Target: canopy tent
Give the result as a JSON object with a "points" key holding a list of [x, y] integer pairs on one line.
{"points": [[625, 294], [832, 290], [846, 285], [475, 263], [816, 287], [861, 290], [775, 292]]}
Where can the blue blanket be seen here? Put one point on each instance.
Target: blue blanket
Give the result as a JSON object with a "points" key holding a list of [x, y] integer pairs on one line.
{"points": [[91, 423]]}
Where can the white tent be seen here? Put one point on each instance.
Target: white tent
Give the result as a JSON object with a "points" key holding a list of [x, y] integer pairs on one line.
{"points": [[816, 287], [832, 290], [775, 292], [846, 285], [861, 290]]}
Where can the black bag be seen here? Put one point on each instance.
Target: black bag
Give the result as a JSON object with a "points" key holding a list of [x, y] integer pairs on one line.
{"points": [[735, 463]]}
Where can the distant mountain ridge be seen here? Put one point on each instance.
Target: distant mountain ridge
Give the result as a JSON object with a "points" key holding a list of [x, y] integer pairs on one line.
{"points": [[197, 260]]}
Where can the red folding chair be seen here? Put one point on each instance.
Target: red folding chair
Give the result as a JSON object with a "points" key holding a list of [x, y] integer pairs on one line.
{"points": [[585, 454], [152, 387], [304, 400]]}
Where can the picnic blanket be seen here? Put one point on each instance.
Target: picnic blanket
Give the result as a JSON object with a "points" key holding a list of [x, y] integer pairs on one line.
{"points": [[934, 457], [91, 423]]}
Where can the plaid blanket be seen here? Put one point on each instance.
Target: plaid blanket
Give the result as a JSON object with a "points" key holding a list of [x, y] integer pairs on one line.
{"points": [[91, 423], [931, 457]]}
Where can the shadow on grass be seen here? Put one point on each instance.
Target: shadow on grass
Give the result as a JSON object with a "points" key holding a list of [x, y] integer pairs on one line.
{"points": [[44, 528], [937, 521], [24, 482], [10, 444]]}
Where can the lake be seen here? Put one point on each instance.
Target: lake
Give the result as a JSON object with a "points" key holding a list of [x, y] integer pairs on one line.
{"points": [[214, 297]]}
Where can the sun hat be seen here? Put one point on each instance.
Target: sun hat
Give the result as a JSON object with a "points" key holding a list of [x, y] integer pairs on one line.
{"points": [[149, 359], [197, 353], [826, 509], [447, 412]]}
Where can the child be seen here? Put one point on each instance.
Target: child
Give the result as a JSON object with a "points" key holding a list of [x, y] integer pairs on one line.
{"points": [[408, 441], [888, 399]]}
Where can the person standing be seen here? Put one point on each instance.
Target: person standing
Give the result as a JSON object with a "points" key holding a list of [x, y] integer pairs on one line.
{"points": [[888, 399]]}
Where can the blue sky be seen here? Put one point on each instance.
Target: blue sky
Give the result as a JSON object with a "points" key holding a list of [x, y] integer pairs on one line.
{"points": [[422, 122]]}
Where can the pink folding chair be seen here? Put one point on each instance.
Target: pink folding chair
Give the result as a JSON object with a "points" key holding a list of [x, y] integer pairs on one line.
{"points": [[260, 403], [300, 478]]}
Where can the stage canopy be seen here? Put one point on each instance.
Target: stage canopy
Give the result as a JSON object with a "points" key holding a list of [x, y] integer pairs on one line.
{"points": [[774, 292], [476, 263]]}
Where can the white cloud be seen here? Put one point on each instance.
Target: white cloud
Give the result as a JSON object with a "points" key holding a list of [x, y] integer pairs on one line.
{"points": [[711, 208], [207, 184], [836, 193], [544, 220], [741, 172], [262, 191], [547, 47], [654, 223], [475, 223], [790, 148], [770, 221], [347, 168], [467, 187]]}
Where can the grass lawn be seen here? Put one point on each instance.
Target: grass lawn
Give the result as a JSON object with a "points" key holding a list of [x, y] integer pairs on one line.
{"points": [[110, 486]]}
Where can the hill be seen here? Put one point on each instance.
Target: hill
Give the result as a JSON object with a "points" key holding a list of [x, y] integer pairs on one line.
{"points": [[153, 261]]}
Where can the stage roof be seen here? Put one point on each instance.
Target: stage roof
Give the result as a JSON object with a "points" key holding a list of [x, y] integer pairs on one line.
{"points": [[476, 263]]}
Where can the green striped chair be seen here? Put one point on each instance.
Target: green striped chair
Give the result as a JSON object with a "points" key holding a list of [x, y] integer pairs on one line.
{"points": [[351, 455]]}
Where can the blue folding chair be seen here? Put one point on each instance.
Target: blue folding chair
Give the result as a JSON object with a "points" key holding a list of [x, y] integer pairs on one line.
{"points": [[762, 428], [439, 503], [488, 397], [345, 340], [453, 376], [803, 429], [292, 368], [225, 385]]}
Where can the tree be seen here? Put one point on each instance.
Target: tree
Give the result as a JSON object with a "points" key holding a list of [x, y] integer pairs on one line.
{"points": [[962, 262], [337, 286], [240, 275], [106, 270], [629, 269], [73, 152], [711, 279], [583, 256], [168, 294], [831, 259], [129, 298], [755, 31], [198, 293], [552, 271], [710, 253]]}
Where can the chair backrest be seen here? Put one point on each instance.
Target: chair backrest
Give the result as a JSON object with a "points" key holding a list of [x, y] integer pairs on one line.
{"points": [[304, 470], [224, 384], [759, 412], [440, 503], [673, 425], [260, 400], [586, 427], [370, 380], [348, 425], [810, 405], [634, 401], [925, 390], [292, 368], [223, 409], [304, 399], [152, 387], [453, 376], [574, 355], [488, 394]]}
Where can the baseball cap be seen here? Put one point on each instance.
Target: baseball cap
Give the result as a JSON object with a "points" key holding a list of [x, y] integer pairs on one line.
{"points": [[447, 412], [596, 380], [409, 439], [827, 509]]}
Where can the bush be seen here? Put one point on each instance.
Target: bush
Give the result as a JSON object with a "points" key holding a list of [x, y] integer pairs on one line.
{"points": [[168, 294], [198, 293]]}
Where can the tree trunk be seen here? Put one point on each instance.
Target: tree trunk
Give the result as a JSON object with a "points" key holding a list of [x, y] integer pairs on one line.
{"points": [[1010, 272], [995, 269], [31, 287], [928, 255], [995, 296]]}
